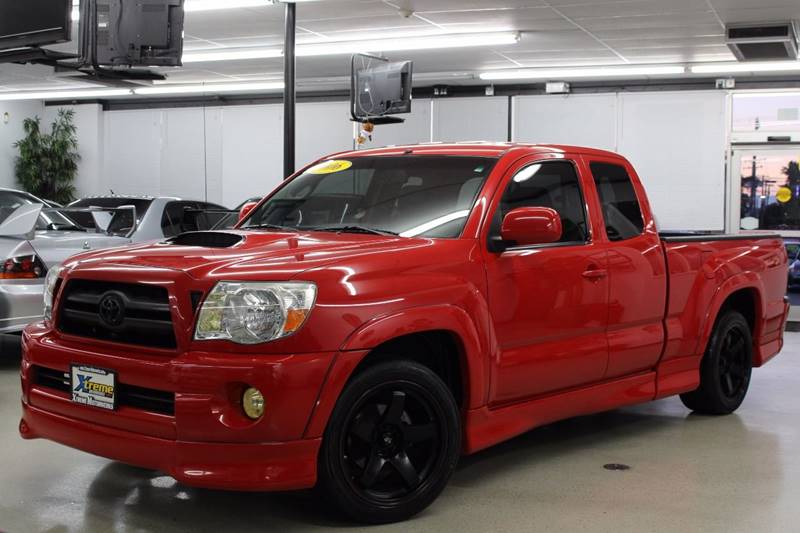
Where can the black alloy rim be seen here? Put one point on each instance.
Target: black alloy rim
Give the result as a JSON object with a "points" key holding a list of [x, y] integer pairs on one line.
{"points": [[392, 442], [733, 363]]}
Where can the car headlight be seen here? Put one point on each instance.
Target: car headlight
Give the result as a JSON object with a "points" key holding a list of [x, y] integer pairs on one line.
{"points": [[254, 312], [49, 290]]}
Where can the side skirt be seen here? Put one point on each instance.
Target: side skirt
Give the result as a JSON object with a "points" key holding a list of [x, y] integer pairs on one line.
{"points": [[484, 427]]}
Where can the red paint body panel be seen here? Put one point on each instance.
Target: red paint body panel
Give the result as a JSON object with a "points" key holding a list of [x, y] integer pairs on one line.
{"points": [[542, 332]]}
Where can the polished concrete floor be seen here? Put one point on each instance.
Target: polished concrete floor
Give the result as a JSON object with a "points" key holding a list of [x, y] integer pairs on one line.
{"points": [[687, 473]]}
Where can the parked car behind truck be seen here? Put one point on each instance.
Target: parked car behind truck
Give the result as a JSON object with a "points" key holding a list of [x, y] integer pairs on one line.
{"points": [[385, 311], [55, 234]]}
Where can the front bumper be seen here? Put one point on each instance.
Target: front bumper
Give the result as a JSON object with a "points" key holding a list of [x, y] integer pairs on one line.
{"points": [[206, 441], [261, 466], [21, 302]]}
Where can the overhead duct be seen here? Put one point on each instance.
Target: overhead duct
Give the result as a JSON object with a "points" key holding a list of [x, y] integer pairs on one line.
{"points": [[763, 42]]}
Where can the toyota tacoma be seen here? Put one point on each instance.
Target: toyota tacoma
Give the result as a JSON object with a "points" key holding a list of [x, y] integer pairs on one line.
{"points": [[384, 312]]}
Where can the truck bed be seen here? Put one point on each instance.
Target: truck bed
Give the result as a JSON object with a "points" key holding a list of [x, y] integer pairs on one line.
{"points": [[702, 267]]}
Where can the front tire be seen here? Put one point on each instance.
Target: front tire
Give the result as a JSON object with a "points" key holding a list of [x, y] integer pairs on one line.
{"points": [[726, 368], [392, 443]]}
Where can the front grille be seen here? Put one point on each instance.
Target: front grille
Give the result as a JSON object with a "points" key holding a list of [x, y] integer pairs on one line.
{"points": [[143, 315], [152, 400]]}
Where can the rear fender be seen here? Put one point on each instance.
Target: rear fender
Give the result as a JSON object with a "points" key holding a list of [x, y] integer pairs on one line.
{"points": [[745, 280]]}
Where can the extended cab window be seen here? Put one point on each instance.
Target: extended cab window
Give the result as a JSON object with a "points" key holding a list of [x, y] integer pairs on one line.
{"points": [[548, 184], [408, 195], [621, 211]]}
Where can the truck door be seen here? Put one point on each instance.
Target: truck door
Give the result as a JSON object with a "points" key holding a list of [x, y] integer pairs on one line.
{"points": [[636, 266], [548, 302]]}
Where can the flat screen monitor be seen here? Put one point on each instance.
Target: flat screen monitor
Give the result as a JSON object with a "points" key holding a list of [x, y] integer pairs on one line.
{"points": [[27, 23], [383, 89]]}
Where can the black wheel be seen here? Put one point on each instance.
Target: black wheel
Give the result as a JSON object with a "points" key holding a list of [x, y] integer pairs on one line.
{"points": [[725, 369], [392, 443]]}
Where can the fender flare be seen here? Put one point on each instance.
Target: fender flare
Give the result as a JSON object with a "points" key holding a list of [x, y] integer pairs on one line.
{"points": [[445, 317], [737, 282], [474, 364]]}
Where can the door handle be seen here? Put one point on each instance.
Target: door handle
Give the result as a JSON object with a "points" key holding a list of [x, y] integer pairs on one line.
{"points": [[595, 274]]}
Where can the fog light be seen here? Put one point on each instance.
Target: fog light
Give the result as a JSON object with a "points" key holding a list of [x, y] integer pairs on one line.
{"points": [[253, 403]]}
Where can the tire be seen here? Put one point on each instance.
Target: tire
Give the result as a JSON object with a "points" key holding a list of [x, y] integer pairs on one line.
{"points": [[391, 445], [725, 369]]}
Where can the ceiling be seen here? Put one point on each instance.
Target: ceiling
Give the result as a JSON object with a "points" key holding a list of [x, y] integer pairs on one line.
{"points": [[555, 33]]}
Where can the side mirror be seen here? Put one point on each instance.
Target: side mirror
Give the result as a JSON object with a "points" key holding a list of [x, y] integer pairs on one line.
{"points": [[531, 225], [246, 208]]}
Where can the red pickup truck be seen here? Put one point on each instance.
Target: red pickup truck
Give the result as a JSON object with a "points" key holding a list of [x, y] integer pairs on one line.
{"points": [[384, 312]]}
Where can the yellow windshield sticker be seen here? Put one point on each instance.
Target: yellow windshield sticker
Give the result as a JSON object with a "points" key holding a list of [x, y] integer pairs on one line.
{"points": [[783, 195], [329, 167]]}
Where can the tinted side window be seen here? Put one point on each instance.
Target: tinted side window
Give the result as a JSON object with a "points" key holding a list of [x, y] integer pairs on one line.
{"points": [[172, 219], [621, 210], [210, 215], [549, 184]]}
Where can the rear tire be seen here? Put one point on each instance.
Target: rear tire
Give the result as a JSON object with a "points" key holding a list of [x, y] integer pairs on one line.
{"points": [[725, 369], [392, 443]]}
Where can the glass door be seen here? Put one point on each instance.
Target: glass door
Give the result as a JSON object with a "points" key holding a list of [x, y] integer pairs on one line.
{"points": [[765, 195]]}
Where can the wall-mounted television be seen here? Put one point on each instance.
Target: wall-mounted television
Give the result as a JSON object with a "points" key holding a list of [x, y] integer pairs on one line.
{"points": [[27, 23], [381, 89], [122, 33]]}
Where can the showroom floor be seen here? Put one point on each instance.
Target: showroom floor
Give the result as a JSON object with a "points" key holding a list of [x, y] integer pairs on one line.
{"points": [[688, 473]]}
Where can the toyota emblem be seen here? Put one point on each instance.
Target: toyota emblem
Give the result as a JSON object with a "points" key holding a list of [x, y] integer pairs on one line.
{"points": [[112, 309]]}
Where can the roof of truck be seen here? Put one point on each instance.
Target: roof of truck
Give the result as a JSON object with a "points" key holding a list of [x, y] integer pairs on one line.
{"points": [[475, 148]]}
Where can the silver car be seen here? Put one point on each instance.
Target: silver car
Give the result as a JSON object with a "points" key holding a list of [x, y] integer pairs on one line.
{"points": [[35, 237]]}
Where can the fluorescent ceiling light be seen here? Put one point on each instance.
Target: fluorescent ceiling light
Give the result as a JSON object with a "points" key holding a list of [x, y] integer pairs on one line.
{"points": [[427, 42], [65, 95], [214, 5], [200, 5], [760, 66], [232, 55], [583, 72], [209, 88]]}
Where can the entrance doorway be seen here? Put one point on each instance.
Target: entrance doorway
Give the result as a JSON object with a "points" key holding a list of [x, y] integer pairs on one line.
{"points": [[765, 195]]}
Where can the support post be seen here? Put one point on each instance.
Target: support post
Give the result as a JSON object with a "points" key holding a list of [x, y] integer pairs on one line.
{"points": [[289, 90]]}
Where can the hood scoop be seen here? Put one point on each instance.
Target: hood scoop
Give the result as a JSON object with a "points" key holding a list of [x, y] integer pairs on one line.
{"points": [[206, 239]]}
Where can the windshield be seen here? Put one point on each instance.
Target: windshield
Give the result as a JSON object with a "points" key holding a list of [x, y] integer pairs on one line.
{"points": [[426, 196], [48, 220], [122, 223]]}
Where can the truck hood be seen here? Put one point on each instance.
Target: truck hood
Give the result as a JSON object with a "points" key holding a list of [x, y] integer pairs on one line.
{"points": [[275, 255]]}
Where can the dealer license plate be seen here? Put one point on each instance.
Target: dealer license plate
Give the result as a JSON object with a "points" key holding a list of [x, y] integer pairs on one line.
{"points": [[94, 386]]}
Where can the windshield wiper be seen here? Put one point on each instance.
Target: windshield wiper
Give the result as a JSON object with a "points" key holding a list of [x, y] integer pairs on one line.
{"points": [[352, 228], [269, 226]]}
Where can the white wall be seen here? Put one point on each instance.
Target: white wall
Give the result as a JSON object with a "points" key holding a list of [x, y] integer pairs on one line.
{"points": [[11, 132], [675, 140], [250, 151], [579, 119], [677, 143], [228, 154], [470, 119]]}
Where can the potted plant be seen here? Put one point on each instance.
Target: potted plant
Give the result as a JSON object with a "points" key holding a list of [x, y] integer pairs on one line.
{"points": [[48, 162]]}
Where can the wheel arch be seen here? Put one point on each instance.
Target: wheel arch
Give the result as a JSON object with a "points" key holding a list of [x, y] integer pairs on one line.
{"points": [[742, 293], [381, 338]]}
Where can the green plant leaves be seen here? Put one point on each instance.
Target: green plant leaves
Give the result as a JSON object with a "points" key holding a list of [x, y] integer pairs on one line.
{"points": [[48, 162]]}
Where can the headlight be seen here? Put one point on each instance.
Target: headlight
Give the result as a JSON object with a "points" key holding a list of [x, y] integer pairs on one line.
{"points": [[252, 313], [50, 289]]}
